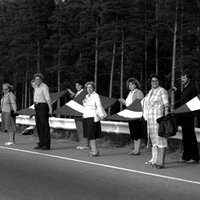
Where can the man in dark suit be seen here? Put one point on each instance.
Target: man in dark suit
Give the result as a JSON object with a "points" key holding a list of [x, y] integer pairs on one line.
{"points": [[190, 145]]}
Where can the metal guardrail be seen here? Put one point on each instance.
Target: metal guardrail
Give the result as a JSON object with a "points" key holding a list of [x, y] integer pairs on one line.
{"points": [[106, 126]]}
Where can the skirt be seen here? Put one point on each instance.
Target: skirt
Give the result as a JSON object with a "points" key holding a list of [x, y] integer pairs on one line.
{"points": [[91, 129], [136, 129], [8, 122]]}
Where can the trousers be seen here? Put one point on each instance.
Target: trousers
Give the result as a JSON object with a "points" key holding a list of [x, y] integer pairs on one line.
{"points": [[79, 127], [190, 145], [42, 124]]}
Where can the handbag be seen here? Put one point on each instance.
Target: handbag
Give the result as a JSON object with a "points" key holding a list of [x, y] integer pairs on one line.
{"points": [[101, 113], [13, 114], [167, 126]]}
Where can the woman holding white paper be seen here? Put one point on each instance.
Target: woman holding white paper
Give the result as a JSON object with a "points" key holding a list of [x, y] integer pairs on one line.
{"points": [[135, 126], [92, 115]]}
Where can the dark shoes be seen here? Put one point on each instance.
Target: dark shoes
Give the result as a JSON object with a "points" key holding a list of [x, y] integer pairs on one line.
{"points": [[187, 161], [42, 148], [132, 153], [159, 166], [45, 148], [37, 147]]}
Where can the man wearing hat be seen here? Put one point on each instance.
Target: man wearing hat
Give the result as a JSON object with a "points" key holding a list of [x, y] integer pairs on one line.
{"points": [[43, 109]]}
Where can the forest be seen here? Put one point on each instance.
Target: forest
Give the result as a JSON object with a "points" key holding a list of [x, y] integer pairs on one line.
{"points": [[106, 41]]}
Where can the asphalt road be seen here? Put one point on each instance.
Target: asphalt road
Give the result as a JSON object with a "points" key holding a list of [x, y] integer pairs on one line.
{"points": [[65, 173]]}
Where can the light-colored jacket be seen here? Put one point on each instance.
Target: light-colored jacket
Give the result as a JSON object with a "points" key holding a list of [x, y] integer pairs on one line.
{"points": [[93, 107], [8, 103]]}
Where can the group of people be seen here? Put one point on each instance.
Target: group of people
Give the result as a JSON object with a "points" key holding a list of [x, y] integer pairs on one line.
{"points": [[155, 105]]}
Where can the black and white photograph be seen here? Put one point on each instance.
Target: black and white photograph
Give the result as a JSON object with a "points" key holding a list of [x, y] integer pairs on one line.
{"points": [[100, 99]]}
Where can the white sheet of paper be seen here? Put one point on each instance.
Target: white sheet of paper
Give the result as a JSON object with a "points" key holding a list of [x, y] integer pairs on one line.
{"points": [[76, 106], [194, 104], [130, 114]]}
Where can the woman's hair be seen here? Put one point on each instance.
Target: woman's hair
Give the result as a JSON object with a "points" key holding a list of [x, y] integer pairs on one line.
{"points": [[155, 76], [32, 81], [90, 83], [134, 81], [79, 82], [10, 87], [38, 75]]}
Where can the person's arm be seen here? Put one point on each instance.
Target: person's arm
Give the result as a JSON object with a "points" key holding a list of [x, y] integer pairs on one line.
{"points": [[50, 106], [13, 102], [123, 101], [165, 100], [48, 99], [72, 94], [140, 94]]}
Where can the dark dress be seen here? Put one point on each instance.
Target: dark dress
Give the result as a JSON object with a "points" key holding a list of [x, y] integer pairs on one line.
{"points": [[190, 145], [136, 129], [135, 126]]}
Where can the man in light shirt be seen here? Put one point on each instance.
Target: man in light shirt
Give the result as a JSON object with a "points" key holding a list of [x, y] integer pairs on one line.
{"points": [[43, 109]]}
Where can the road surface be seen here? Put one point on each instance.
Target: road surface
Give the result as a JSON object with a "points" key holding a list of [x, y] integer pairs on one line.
{"points": [[65, 173]]}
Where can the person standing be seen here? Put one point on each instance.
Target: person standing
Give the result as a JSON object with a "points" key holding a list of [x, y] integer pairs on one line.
{"points": [[94, 112], [189, 140], [135, 126], [8, 105], [43, 109], [155, 105], [84, 143]]}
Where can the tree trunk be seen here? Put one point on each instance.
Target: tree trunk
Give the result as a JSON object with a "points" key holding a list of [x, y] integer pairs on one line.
{"points": [[111, 73], [156, 40], [181, 44], [26, 87], [96, 53], [174, 59], [122, 69], [30, 96], [38, 55], [112, 69], [38, 50], [145, 52], [58, 70]]}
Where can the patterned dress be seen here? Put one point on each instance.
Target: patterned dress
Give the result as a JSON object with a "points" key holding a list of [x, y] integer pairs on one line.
{"points": [[8, 103], [153, 108]]}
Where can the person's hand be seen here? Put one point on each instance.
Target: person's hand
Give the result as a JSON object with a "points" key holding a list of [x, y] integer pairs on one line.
{"points": [[50, 112], [174, 89], [166, 111], [121, 100]]}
